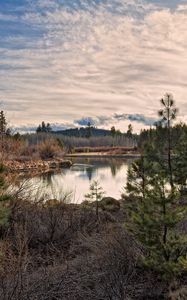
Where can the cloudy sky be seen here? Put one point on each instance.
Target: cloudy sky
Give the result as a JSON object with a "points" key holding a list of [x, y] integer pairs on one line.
{"points": [[108, 61]]}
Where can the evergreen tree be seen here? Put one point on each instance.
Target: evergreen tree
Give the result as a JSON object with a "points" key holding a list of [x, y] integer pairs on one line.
{"points": [[113, 131], [39, 129], [17, 136], [154, 212], [89, 130], [4, 132], [138, 178], [96, 194], [48, 128], [4, 197], [155, 216], [3, 123], [118, 132], [129, 131], [43, 128], [154, 223], [180, 164], [168, 113], [8, 132]]}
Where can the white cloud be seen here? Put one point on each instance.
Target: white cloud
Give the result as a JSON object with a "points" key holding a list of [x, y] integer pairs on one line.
{"points": [[7, 17], [113, 58], [182, 8]]}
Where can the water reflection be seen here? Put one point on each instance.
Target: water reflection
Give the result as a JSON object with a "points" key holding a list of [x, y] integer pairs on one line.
{"points": [[111, 173]]}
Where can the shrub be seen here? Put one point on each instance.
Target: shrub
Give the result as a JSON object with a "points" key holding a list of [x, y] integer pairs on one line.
{"points": [[48, 149], [110, 204]]}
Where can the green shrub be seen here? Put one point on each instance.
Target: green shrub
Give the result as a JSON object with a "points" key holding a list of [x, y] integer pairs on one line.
{"points": [[110, 204]]}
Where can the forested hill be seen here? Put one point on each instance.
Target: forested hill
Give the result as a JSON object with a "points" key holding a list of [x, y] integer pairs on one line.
{"points": [[84, 132]]}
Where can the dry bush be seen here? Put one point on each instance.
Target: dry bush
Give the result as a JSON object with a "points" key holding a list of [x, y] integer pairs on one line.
{"points": [[57, 251], [10, 148], [178, 294], [29, 152], [103, 270], [49, 148], [109, 259], [14, 263]]}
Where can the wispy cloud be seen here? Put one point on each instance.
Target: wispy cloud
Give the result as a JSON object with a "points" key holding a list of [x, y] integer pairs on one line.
{"points": [[139, 118], [92, 58], [8, 17]]}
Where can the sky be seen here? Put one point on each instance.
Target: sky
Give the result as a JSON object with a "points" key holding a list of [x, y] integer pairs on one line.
{"points": [[68, 62]]}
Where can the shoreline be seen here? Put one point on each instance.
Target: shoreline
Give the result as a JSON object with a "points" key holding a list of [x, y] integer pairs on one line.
{"points": [[36, 165], [26, 166], [102, 155]]}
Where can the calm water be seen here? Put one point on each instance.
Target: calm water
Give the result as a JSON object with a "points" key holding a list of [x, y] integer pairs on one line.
{"points": [[75, 182]]}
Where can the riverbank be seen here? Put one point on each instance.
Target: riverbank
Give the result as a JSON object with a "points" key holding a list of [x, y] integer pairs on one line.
{"points": [[103, 155], [19, 165], [36, 165]]}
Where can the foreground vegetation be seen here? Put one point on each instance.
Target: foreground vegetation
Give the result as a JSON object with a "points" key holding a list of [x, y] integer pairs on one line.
{"points": [[132, 249]]}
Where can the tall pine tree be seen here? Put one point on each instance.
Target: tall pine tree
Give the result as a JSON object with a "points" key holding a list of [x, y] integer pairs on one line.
{"points": [[154, 217]]}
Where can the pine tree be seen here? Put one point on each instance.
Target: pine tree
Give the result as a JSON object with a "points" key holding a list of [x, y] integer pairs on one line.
{"points": [[43, 128], [4, 197], [3, 123], [154, 223], [39, 129], [113, 131], [129, 131], [154, 217], [3, 134], [168, 113], [96, 194], [138, 178], [180, 164], [89, 130], [48, 128]]}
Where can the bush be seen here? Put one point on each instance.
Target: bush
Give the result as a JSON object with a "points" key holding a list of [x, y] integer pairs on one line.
{"points": [[48, 149], [110, 204]]}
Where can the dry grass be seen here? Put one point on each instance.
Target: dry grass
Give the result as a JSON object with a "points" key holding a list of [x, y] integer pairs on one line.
{"points": [[59, 251]]}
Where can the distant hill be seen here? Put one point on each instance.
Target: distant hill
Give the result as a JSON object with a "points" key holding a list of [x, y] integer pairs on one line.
{"points": [[83, 132]]}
